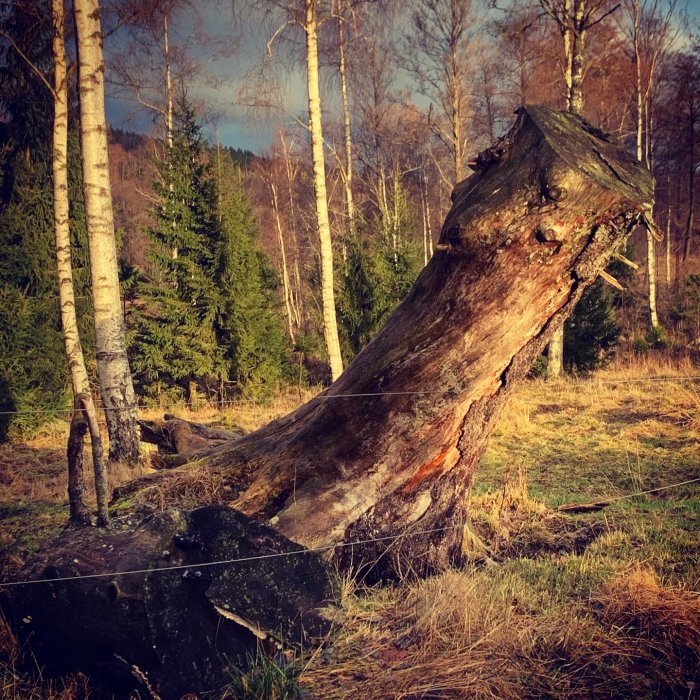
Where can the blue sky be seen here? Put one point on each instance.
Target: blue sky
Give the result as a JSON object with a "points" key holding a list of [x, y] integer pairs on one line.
{"points": [[219, 85], [233, 124]]}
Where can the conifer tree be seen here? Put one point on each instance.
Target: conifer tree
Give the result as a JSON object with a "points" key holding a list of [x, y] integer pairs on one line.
{"points": [[175, 342], [249, 324], [377, 274], [208, 312]]}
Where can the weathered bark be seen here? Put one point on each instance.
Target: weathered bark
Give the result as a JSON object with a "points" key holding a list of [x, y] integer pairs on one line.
{"points": [[178, 630], [555, 349], [79, 512], [110, 341], [382, 460], [390, 448]]}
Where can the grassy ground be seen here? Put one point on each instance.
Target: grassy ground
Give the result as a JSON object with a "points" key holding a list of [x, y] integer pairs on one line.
{"points": [[596, 605], [593, 605]]}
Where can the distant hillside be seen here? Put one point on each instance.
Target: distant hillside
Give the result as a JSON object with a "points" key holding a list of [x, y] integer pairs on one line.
{"points": [[128, 140]]}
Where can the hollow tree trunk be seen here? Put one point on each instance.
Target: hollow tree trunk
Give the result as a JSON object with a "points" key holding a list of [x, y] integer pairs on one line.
{"points": [[391, 447]]}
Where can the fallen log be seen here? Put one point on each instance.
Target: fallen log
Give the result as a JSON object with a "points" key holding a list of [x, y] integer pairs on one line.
{"points": [[390, 448], [180, 441], [176, 624]]}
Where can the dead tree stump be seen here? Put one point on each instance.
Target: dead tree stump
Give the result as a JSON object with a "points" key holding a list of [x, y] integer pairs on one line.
{"points": [[391, 447], [384, 457]]}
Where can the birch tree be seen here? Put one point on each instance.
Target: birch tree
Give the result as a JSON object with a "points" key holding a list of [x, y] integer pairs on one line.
{"points": [[307, 15], [84, 415], [440, 42], [112, 363], [573, 18], [651, 34]]}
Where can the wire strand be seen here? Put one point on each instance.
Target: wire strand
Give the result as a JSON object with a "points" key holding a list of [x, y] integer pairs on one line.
{"points": [[323, 397], [275, 555], [324, 548]]}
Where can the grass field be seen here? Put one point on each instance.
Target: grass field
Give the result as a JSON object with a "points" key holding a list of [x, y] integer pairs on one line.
{"points": [[599, 604]]}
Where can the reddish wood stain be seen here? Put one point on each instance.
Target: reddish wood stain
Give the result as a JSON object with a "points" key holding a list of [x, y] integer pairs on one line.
{"points": [[425, 471]]}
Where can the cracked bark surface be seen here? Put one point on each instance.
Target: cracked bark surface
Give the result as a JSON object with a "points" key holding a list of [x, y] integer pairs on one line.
{"points": [[545, 210]]}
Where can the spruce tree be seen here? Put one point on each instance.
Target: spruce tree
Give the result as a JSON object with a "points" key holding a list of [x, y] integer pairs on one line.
{"points": [[175, 344], [207, 314], [249, 323], [378, 272], [592, 330]]}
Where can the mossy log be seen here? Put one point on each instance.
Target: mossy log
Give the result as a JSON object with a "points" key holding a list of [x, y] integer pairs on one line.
{"points": [[391, 446], [177, 625]]}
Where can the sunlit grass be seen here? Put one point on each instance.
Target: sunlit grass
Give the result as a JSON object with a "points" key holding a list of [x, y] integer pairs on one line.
{"points": [[593, 605]]}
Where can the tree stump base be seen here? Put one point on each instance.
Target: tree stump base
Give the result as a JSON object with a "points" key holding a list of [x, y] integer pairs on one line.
{"points": [[179, 624]]}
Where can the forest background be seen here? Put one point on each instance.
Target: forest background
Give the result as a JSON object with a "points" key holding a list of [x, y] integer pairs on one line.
{"points": [[221, 268]]}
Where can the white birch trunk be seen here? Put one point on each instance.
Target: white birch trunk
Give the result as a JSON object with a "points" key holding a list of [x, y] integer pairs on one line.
{"points": [[285, 270], [169, 99], [456, 98], [330, 324], [110, 342], [651, 253], [66, 293], [578, 44]]}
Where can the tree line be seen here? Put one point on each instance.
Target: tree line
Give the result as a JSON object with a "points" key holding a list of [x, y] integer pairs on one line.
{"points": [[237, 272]]}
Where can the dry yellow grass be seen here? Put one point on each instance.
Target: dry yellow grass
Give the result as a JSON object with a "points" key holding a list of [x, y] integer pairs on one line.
{"points": [[561, 607], [473, 634]]}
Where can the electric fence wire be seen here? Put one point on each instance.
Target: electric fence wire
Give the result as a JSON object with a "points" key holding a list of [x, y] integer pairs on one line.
{"points": [[324, 548], [328, 397]]}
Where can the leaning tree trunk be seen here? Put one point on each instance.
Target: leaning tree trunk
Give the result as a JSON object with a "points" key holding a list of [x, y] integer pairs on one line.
{"points": [[391, 447], [380, 462], [110, 339]]}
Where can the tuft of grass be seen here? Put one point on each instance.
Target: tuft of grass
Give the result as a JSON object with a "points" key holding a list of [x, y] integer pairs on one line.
{"points": [[189, 488], [265, 679], [666, 620]]}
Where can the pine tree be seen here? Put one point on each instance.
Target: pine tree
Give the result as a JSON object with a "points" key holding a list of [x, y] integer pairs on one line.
{"points": [[592, 329], [378, 273], [175, 343], [249, 324]]}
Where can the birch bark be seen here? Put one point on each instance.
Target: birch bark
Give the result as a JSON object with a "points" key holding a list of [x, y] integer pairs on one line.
{"points": [[112, 364], [74, 352], [330, 324]]}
